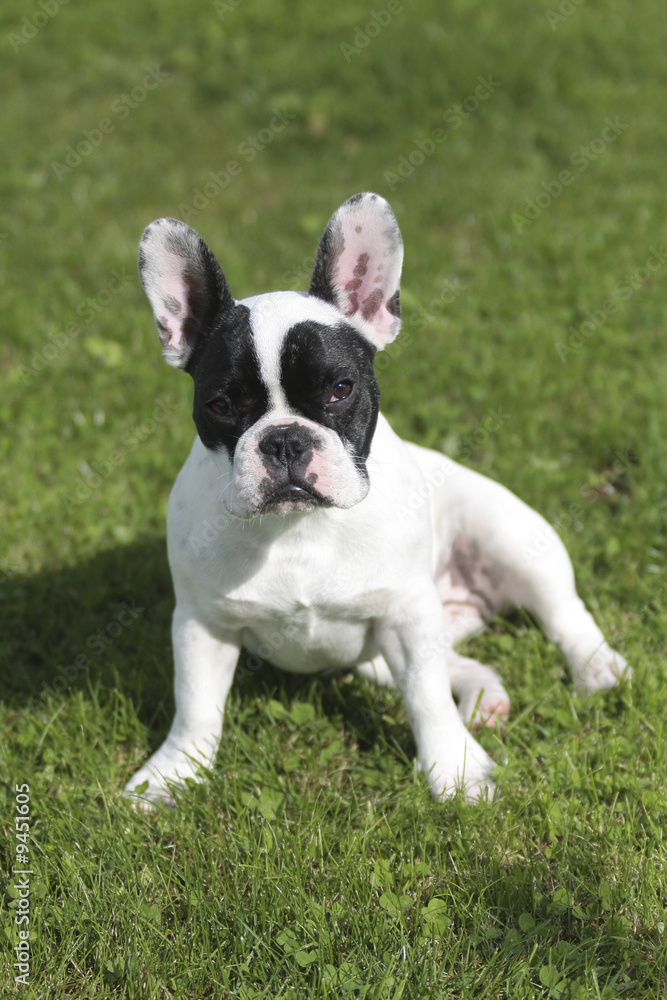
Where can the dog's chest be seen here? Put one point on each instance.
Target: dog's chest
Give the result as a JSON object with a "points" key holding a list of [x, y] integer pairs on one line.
{"points": [[309, 641], [305, 629], [302, 591], [303, 603]]}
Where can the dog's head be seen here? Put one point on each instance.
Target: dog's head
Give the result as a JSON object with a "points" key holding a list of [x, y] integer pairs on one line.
{"points": [[286, 399]]}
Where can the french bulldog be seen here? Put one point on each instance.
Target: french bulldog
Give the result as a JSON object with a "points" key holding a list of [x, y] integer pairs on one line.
{"points": [[300, 488]]}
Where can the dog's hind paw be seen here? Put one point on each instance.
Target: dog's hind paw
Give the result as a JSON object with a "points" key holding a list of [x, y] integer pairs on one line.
{"points": [[602, 671], [481, 698], [481, 708]]}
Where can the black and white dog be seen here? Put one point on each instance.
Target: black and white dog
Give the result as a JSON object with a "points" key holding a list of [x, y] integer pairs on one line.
{"points": [[313, 563]]}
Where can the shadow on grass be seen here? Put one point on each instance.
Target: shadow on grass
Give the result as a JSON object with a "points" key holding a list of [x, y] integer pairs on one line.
{"points": [[106, 621], [107, 615]]}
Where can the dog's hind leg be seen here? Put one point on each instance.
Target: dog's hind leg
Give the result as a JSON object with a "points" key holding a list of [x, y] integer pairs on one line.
{"points": [[468, 597], [506, 555], [481, 698], [546, 588]]}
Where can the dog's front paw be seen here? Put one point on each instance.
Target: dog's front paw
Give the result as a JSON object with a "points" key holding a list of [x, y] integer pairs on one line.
{"points": [[147, 790], [601, 671], [163, 777], [473, 775]]}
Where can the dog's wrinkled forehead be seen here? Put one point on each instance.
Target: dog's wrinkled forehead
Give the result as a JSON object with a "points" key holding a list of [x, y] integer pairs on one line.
{"points": [[271, 318]]}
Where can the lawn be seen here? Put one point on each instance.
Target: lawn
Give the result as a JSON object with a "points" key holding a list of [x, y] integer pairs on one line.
{"points": [[521, 146]]}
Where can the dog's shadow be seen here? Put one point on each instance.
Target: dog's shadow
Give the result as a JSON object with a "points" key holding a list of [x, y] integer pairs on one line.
{"points": [[106, 622], [62, 628]]}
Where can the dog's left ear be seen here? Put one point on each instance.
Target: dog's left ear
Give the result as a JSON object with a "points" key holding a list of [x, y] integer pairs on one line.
{"points": [[184, 284], [358, 267]]}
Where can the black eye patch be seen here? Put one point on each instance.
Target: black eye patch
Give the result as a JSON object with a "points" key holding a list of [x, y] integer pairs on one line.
{"points": [[226, 368], [315, 360]]}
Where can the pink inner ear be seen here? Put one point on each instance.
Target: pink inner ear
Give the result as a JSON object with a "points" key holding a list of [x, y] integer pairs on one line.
{"points": [[169, 301], [367, 274]]}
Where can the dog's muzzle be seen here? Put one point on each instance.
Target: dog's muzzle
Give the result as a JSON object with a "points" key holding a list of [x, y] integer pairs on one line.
{"points": [[287, 451]]}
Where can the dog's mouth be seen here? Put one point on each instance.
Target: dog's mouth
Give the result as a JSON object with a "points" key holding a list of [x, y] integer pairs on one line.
{"points": [[293, 496]]}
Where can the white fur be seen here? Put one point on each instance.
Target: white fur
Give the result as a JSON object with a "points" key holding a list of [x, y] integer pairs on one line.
{"points": [[339, 588], [388, 580]]}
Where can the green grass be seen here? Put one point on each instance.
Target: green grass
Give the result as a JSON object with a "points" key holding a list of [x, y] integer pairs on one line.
{"points": [[313, 863]]}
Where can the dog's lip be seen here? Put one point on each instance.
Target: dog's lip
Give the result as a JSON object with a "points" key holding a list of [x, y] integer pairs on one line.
{"points": [[297, 492], [291, 488]]}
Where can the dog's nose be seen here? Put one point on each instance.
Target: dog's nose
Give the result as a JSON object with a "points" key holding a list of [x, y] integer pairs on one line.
{"points": [[286, 444]]}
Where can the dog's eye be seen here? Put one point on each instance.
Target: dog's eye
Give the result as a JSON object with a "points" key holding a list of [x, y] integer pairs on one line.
{"points": [[341, 390], [220, 406]]}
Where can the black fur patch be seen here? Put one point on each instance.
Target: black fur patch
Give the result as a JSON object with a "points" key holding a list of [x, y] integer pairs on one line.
{"points": [[331, 247], [225, 366], [315, 358]]}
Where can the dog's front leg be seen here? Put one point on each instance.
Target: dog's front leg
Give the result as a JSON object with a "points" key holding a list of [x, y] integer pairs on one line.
{"points": [[412, 636], [203, 672]]}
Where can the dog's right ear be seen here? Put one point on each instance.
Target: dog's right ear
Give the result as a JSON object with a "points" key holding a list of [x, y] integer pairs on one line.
{"points": [[358, 267], [184, 284]]}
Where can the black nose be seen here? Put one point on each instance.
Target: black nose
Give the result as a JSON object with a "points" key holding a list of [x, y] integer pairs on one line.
{"points": [[286, 445]]}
